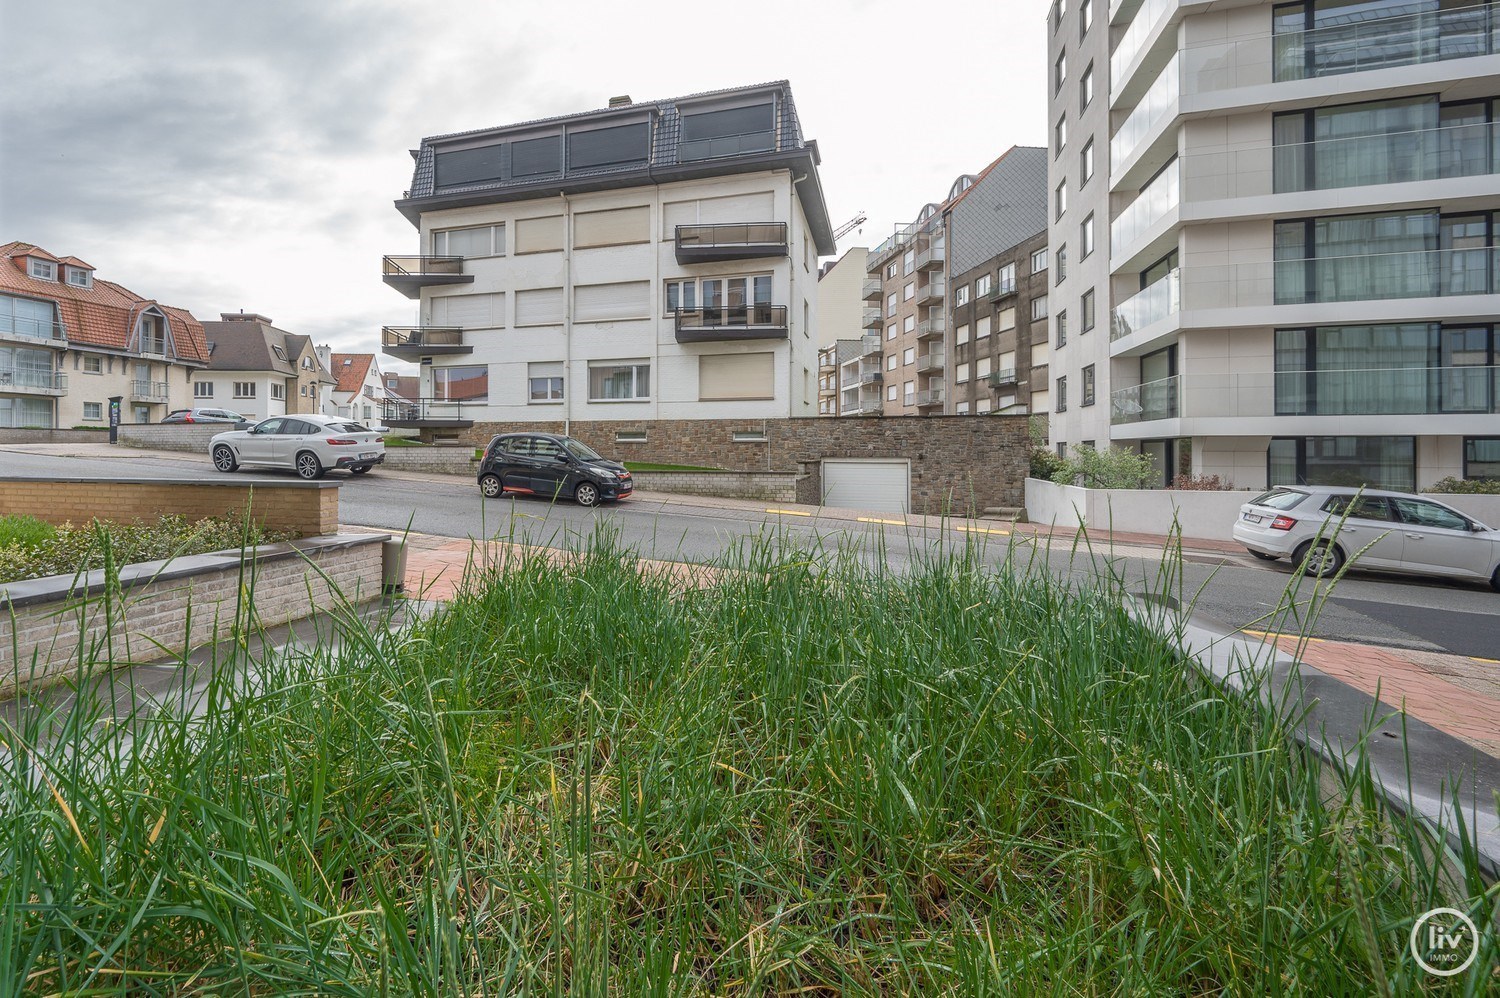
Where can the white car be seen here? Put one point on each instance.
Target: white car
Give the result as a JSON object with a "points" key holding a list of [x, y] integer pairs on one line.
{"points": [[1384, 531], [307, 444]]}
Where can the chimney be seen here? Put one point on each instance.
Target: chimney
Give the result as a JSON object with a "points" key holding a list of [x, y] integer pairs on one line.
{"points": [[621, 101]]}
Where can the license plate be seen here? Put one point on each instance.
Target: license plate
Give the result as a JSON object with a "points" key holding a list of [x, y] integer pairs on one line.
{"points": [[366, 457], [1251, 518]]}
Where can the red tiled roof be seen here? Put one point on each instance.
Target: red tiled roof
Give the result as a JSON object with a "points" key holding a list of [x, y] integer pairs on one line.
{"points": [[352, 375], [101, 315], [73, 261]]}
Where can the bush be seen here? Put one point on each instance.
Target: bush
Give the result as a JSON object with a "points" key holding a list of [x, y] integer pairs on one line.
{"points": [[92, 429], [1110, 468], [1045, 464], [1200, 483], [1465, 487], [25, 531], [73, 549]]}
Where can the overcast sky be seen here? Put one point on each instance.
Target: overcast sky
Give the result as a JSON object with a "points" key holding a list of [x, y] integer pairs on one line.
{"points": [[221, 155]]}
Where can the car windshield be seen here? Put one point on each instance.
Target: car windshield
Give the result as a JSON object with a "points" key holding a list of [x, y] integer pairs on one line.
{"points": [[1279, 498], [349, 427], [580, 450]]}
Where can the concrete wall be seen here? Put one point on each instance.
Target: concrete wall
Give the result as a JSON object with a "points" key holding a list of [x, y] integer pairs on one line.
{"points": [[312, 508], [18, 436], [774, 486], [434, 460], [959, 464], [168, 608], [173, 436], [1201, 515]]}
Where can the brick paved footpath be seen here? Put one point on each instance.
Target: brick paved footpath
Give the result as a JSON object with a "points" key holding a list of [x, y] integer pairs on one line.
{"points": [[1456, 694]]}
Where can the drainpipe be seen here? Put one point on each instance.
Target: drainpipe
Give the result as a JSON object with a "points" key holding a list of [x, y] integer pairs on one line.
{"points": [[567, 293], [791, 306]]}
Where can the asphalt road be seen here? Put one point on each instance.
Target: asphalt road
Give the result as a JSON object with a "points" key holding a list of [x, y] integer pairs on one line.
{"points": [[1432, 615]]}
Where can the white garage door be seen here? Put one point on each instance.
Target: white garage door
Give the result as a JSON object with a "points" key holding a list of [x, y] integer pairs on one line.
{"points": [[873, 485]]}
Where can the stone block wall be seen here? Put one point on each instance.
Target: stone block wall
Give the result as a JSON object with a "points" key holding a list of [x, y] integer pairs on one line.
{"points": [[25, 436], [311, 508], [959, 464], [169, 608], [192, 437], [773, 486], [433, 460]]}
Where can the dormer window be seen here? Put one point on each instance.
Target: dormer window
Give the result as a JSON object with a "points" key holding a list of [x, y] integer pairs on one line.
{"points": [[280, 353], [42, 270], [79, 277], [153, 333]]}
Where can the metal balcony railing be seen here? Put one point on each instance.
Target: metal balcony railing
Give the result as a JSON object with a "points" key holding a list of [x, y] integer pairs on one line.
{"points": [[935, 290], [1004, 376], [871, 377], [20, 379], [422, 266], [730, 241], [870, 346], [871, 290], [428, 411], [933, 325], [872, 318], [932, 257], [930, 396], [731, 322], [148, 391], [32, 330], [932, 361]]}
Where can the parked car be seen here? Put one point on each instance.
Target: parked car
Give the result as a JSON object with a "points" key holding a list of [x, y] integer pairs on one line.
{"points": [[307, 444], [551, 465], [206, 416], [1385, 531]]}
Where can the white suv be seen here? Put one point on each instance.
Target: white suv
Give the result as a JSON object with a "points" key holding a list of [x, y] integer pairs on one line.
{"points": [[307, 443], [1385, 531]]}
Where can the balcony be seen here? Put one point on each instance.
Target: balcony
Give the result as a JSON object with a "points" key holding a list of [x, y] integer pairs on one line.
{"points": [[731, 323], [873, 318], [871, 290], [929, 397], [932, 257], [934, 292], [1002, 289], [871, 377], [1147, 306], [932, 327], [730, 241], [1142, 403], [415, 342], [1365, 277], [1153, 202], [33, 332], [869, 346], [410, 274], [1003, 378], [430, 412], [864, 407], [148, 391], [930, 361], [22, 381]]}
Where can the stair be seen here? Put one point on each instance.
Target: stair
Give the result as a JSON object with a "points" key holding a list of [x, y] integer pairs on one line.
{"points": [[1010, 514]]}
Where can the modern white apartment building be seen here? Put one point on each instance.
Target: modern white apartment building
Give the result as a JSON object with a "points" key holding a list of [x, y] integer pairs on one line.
{"points": [[652, 260], [1292, 210]]}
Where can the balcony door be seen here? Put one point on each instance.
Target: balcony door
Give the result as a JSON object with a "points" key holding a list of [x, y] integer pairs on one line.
{"points": [[1466, 260], [1466, 377], [737, 301]]}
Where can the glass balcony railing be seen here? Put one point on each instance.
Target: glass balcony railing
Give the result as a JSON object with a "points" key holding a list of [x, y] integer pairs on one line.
{"points": [[1371, 391], [1368, 277], [1158, 101], [148, 391], [1135, 36], [1155, 200], [872, 318], [930, 396], [20, 327], [931, 361], [1387, 158], [1142, 403], [869, 346], [28, 379], [1149, 305]]}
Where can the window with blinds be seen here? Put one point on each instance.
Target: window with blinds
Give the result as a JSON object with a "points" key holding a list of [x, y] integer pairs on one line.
{"points": [[469, 311], [616, 227], [607, 302], [735, 376], [757, 207], [539, 307], [539, 235]]}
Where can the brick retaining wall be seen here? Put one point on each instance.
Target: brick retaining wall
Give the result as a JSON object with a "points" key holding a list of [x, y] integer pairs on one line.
{"points": [[172, 436], [959, 464], [311, 508], [22, 436], [773, 486], [433, 460], [168, 608]]}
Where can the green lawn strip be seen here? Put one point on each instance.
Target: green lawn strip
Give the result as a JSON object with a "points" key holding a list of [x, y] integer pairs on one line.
{"points": [[807, 777]]}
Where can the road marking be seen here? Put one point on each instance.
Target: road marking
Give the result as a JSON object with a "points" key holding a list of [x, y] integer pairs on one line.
{"points": [[980, 530], [788, 512], [876, 519], [1288, 637], [1487, 661]]}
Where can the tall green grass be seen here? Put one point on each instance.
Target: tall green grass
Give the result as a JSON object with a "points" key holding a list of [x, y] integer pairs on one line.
{"points": [[789, 774]]}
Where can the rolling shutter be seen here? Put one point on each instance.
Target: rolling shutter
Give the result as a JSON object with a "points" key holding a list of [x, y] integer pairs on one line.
{"points": [[539, 307], [739, 208], [871, 485], [539, 235], [618, 227], [735, 376], [603, 302], [469, 311], [676, 213]]}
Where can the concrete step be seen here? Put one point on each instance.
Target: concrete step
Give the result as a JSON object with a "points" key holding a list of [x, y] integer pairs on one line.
{"points": [[1012, 514]]}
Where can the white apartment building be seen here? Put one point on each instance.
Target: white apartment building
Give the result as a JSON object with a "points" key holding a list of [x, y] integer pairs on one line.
{"points": [[651, 260], [1292, 210]]}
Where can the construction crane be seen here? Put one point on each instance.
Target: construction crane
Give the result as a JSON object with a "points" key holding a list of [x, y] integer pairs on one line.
{"points": [[849, 226]]}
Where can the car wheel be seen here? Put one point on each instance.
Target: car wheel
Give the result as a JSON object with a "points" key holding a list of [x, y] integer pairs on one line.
{"points": [[1322, 561], [308, 466], [224, 458], [586, 494], [1263, 556], [1495, 581], [489, 486], [359, 470]]}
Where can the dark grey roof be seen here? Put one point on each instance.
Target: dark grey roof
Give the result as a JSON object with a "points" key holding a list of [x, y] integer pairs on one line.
{"points": [[787, 150], [1006, 206], [245, 345]]}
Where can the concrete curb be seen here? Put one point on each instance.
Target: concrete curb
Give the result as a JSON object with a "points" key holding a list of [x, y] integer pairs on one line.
{"points": [[1420, 769]]}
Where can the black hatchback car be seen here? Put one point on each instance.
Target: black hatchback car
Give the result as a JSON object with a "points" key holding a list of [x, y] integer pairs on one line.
{"points": [[552, 466]]}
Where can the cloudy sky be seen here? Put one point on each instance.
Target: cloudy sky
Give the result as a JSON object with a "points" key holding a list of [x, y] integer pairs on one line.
{"points": [[243, 154]]}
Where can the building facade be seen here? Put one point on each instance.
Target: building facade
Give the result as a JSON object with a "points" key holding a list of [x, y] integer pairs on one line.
{"points": [[359, 389], [905, 318], [70, 341], [1297, 208], [645, 261], [839, 321], [258, 370]]}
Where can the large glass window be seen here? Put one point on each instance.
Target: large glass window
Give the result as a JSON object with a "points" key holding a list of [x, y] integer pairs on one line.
{"points": [[461, 384], [536, 157], [26, 412], [1482, 458], [727, 132], [620, 145], [1374, 462], [1399, 368], [1354, 257], [619, 382], [460, 167], [1329, 37], [28, 317]]}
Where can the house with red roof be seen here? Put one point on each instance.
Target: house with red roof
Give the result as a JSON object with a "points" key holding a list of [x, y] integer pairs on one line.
{"points": [[70, 341], [359, 391]]}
